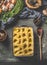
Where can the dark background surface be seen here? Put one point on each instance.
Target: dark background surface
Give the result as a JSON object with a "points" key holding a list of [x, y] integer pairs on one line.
{"points": [[6, 51]]}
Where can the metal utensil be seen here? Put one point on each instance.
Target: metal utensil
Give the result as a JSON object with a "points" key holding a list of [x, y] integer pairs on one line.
{"points": [[39, 33]]}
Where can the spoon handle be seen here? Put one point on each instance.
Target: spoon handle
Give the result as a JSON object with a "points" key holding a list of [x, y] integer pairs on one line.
{"points": [[40, 47]]}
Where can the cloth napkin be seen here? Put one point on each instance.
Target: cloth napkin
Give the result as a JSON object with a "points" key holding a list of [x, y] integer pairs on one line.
{"points": [[29, 13]]}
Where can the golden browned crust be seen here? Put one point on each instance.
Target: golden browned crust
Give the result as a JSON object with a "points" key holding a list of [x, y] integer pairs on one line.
{"points": [[23, 41]]}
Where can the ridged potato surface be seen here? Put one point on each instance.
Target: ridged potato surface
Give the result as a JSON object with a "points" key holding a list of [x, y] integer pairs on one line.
{"points": [[23, 41]]}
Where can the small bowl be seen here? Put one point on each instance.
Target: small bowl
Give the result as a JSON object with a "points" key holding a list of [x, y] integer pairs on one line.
{"points": [[3, 35]]}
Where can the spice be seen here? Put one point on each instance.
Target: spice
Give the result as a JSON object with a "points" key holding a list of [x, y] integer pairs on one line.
{"points": [[45, 11], [3, 35]]}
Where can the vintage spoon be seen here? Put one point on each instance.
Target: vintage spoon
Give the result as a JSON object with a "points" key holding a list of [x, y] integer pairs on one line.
{"points": [[39, 33]]}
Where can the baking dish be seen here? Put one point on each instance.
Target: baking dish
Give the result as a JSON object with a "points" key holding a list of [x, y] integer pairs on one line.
{"points": [[14, 44]]}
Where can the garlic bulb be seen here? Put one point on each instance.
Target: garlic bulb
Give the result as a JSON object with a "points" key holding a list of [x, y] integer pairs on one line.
{"points": [[11, 6], [4, 8]]}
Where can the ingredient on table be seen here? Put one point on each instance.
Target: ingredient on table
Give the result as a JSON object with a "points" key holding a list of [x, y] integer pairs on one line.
{"points": [[45, 11], [7, 5], [5, 15], [3, 35], [37, 20], [33, 3], [23, 41]]}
